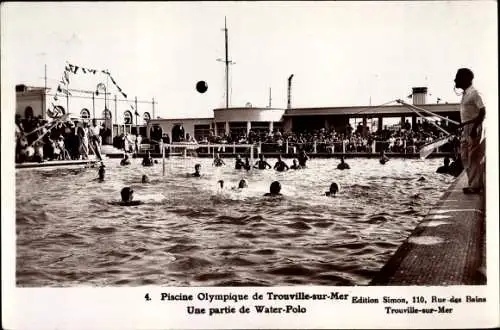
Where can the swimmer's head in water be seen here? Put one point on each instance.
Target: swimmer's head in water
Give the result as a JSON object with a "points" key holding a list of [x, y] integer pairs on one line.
{"points": [[242, 184], [125, 156], [156, 161], [295, 162], [275, 187], [446, 160], [127, 194], [197, 167], [145, 179], [334, 188], [102, 172], [221, 183], [341, 159], [261, 156], [238, 157]]}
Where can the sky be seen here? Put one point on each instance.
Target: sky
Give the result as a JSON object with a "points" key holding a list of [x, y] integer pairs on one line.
{"points": [[341, 53]]}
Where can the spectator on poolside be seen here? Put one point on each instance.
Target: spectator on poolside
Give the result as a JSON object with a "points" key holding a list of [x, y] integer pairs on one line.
{"points": [[472, 113]]}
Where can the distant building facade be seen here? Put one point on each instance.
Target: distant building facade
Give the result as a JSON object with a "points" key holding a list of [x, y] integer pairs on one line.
{"points": [[237, 120], [114, 113]]}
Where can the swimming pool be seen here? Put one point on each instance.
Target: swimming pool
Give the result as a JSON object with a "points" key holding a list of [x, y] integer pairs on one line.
{"points": [[189, 232]]}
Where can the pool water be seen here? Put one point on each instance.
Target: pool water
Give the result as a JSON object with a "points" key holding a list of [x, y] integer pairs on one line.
{"points": [[190, 232]]}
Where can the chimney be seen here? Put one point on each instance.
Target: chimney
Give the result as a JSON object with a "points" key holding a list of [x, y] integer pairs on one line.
{"points": [[289, 99], [419, 95]]}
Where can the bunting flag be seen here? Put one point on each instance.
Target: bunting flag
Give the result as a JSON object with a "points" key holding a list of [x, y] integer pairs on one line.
{"points": [[100, 87]]}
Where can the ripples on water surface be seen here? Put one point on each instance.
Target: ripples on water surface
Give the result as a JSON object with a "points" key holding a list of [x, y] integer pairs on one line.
{"points": [[190, 233]]}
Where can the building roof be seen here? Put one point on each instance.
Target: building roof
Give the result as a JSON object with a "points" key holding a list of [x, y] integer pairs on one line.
{"points": [[370, 110]]}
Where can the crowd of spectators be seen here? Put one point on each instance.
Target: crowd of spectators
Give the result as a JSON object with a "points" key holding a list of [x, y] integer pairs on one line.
{"points": [[398, 139], [38, 140]]}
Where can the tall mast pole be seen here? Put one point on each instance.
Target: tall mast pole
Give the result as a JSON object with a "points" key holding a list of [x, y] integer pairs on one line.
{"points": [[226, 61], [227, 64], [270, 98]]}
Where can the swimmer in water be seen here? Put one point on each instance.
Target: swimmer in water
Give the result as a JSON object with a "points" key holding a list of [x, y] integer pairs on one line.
{"points": [[334, 189], [197, 168], [261, 164], [147, 160], [445, 169], [303, 158], [102, 173], [280, 165], [343, 165], [383, 158], [295, 165], [221, 184], [247, 164], [242, 184], [239, 163], [145, 179], [274, 189], [125, 161], [127, 197], [218, 161]]}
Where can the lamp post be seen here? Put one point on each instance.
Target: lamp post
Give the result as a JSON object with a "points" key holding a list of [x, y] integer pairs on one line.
{"points": [[102, 87]]}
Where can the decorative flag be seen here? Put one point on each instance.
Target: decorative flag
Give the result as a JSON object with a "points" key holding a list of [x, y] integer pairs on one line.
{"points": [[84, 70], [76, 69], [136, 113], [55, 98], [409, 96], [59, 88]]}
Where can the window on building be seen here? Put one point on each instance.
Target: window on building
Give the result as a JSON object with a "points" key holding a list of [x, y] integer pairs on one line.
{"points": [[146, 117], [238, 128], [85, 114], [28, 112], [127, 118], [261, 128], [221, 128], [201, 132]]}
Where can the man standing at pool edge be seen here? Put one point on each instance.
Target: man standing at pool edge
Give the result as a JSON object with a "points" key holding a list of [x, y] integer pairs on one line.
{"points": [[472, 113]]}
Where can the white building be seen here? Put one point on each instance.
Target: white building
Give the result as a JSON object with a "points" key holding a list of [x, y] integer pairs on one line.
{"points": [[111, 110]]}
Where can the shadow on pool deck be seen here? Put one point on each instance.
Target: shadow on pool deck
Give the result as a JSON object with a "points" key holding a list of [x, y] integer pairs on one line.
{"points": [[447, 248]]}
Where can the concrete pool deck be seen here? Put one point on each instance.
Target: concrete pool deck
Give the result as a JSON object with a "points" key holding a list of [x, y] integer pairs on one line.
{"points": [[447, 248]]}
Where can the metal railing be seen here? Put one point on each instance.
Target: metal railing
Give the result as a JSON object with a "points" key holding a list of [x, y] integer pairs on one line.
{"points": [[290, 148]]}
